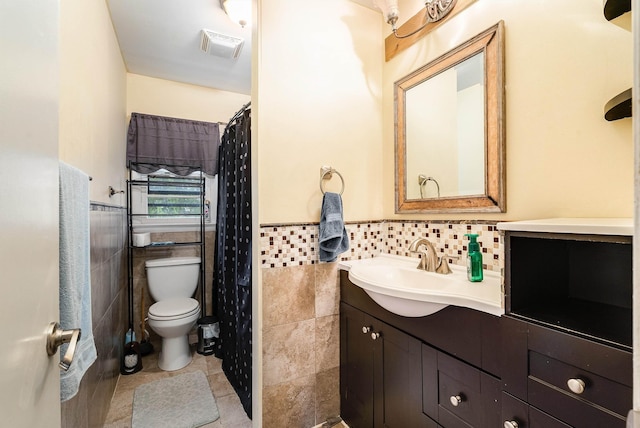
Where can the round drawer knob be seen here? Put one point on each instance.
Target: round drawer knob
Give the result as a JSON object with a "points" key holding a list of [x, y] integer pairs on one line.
{"points": [[576, 385], [510, 424], [375, 335], [366, 329], [455, 400]]}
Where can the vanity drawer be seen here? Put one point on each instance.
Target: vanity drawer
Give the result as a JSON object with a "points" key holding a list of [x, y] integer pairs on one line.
{"points": [[467, 397], [458, 390], [571, 409], [555, 357], [458, 399], [606, 361], [595, 389], [516, 412]]}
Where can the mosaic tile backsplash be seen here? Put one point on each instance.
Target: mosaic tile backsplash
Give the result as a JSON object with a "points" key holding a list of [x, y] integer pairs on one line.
{"points": [[296, 245]]}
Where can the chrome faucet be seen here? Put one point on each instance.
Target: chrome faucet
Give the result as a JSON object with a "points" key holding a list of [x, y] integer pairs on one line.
{"points": [[429, 260]]}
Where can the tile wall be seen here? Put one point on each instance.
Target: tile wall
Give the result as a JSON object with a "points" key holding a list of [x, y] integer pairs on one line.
{"points": [[301, 322], [296, 245], [108, 304], [301, 329]]}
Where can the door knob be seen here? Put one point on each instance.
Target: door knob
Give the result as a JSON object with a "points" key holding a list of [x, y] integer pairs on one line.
{"points": [[366, 329], [375, 335], [510, 424], [56, 336]]}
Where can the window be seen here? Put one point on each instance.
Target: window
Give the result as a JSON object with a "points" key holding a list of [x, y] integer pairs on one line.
{"points": [[174, 197], [171, 200]]}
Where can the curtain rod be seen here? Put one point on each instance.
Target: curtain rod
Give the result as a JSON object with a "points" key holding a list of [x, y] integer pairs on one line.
{"points": [[239, 113]]}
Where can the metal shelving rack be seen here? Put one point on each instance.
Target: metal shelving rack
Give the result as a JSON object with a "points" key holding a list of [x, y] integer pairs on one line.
{"points": [[131, 249]]}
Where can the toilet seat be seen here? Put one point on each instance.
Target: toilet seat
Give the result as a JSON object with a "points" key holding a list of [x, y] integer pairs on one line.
{"points": [[171, 309]]}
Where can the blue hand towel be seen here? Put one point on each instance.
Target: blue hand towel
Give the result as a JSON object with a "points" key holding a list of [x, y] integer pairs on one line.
{"points": [[333, 235], [75, 275]]}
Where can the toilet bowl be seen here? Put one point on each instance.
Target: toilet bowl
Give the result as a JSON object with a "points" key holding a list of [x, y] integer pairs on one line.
{"points": [[172, 282], [172, 319]]}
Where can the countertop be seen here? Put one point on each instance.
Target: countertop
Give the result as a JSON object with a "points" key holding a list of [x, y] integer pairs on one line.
{"points": [[589, 226]]}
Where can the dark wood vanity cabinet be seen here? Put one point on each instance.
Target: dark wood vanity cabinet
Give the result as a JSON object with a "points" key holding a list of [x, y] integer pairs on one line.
{"points": [[571, 380], [560, 357], [566, 336], [410, 374]]}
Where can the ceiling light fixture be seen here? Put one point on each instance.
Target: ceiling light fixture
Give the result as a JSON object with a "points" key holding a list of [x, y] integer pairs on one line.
{"points": [[239, 11], [435, 11]]}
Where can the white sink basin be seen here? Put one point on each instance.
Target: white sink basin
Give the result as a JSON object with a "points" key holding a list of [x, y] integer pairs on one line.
{"points": [[396, 284]]}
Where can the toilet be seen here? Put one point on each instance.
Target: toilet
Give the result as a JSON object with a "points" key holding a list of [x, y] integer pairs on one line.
{"points": [[172, 282]]}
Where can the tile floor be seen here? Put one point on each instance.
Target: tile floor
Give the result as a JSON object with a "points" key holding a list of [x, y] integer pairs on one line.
{"points": [[232, 415]]}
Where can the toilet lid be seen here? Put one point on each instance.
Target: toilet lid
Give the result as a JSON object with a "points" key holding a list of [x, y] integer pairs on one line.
{"points": [[174, 308]]}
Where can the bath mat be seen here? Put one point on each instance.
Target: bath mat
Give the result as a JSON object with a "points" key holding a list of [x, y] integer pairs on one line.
{"points": [[183, 401]]}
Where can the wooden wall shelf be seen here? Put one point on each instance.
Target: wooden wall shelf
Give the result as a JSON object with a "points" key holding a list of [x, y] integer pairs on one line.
{"points": [[616, 8], [617, 11], [619, 106]]}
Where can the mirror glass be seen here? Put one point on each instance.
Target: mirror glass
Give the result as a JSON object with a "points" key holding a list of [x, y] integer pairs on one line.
{"points": [[447, 159], [449, 130]]}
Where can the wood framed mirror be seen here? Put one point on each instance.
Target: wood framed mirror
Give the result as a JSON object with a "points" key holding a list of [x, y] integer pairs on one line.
{"points": [[450, 134]]}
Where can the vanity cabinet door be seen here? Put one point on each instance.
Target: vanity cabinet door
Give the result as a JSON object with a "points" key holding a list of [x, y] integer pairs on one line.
{"points": [[356, 368], [397, 380], [380, 367]]}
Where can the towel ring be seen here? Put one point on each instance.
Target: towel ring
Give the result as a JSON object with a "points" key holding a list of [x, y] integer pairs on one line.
{"points": [[330, 171]]}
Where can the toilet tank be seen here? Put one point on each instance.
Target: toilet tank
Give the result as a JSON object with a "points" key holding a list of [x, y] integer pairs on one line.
{"points": [[172, 277]]}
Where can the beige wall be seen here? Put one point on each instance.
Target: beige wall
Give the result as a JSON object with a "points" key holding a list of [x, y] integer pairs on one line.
{"points": [[91, 137], [319, 69], [328, 100], [166, 98], [564, 61], [92, 97]]}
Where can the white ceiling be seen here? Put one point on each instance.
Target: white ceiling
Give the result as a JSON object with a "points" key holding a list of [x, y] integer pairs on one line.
{"points": [[161, 38]]}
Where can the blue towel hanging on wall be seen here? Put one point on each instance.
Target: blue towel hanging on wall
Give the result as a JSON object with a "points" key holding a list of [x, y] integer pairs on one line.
{"points": [[75, 275], [333, 235]]}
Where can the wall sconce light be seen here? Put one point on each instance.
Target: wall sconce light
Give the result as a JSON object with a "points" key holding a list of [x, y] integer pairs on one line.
{"points": [[239, 11], [435, 11]]}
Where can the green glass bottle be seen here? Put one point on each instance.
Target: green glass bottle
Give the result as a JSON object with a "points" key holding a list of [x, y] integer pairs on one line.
{"points": [[474, 259]]}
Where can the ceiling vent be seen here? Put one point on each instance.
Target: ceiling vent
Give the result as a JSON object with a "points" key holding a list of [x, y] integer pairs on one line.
{"points": [[220, 44]]}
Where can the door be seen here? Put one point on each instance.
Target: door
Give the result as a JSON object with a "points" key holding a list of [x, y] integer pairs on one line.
{"points": [[356, 368], [29, 379], [397, 379], [380, 374]]}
